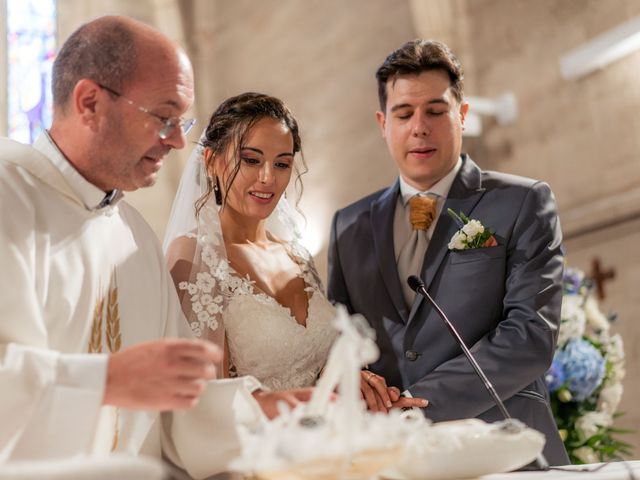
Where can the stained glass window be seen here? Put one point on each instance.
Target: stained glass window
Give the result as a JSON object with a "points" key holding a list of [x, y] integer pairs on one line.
{"points": [[30, 53]]}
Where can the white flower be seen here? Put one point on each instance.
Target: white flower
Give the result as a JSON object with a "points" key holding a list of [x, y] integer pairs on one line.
{"points": [[591, 422], [615, 355], [586, 454], [610, 397], [213, 324], [473, 228], [189, 287], [205, 281], [615, 349], [573, 319], [617, 373], [214, 308], [595, 317], [206, 299], [457, 242], [222, 269], [234, 282], [196, 307], [195, 328], [203, 316]]}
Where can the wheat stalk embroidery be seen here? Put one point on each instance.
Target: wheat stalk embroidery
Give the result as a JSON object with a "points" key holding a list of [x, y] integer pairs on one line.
{"points": [[114, 337], [113, 334], [95, 340]]}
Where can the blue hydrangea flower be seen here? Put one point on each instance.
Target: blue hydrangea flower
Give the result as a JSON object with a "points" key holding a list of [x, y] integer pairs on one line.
{"points": [[583, 366], [555, 376], [572, 280]]}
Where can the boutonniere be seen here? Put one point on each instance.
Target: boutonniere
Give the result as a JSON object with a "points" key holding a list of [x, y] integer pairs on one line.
{"points": [[472, 234]]}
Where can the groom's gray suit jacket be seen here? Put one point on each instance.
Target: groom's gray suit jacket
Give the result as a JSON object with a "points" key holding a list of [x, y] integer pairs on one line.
{"points": [[504, 300]]}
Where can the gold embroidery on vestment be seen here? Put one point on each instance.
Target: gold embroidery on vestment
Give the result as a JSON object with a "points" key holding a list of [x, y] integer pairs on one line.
{"points": [[95, 340], [114, 338], [112, 331]]}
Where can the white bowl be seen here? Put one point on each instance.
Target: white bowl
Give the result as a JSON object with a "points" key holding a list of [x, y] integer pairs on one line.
{"points": [[466, 449]]}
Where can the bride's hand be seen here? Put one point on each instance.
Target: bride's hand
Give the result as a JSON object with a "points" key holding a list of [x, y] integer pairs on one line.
{"points": [[268, 401], [376, 394]]}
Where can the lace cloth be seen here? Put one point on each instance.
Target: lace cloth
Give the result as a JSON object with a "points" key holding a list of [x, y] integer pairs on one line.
{"points": [[266, 341]]}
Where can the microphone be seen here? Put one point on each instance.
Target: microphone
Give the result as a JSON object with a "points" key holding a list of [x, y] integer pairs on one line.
{"points": [[417, 286]]}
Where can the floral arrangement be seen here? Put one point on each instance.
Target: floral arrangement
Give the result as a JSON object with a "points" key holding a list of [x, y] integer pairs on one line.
{"points": [[471, 233], [585, 378]]}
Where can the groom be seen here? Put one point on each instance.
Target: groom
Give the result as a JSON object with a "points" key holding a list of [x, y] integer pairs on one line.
{"points": [[504, 299]]}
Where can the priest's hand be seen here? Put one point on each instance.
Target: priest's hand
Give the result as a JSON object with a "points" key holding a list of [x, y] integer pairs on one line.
{"points": [[165, 374], [268, 401]]}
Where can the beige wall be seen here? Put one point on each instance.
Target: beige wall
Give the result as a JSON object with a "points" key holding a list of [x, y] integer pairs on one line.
{"points": [[581, 136]]}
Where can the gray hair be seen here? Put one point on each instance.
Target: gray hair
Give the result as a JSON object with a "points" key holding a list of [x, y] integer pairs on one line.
{"points": [[103, 50]]}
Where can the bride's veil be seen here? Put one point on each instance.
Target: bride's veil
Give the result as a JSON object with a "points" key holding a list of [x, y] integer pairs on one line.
{"points": [[194, 246]]}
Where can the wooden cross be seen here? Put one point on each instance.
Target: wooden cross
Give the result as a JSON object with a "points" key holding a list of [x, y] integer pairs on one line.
{"points": [[600, 276]]}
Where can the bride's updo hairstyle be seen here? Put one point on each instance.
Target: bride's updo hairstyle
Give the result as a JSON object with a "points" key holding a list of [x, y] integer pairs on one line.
{"points": [[229, 127]]}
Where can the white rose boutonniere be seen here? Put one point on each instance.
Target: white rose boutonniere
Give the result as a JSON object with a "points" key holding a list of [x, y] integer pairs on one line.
{"points": [[472, 234]]}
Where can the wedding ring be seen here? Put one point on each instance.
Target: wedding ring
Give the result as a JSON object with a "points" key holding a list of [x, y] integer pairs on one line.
{"points": [[371, 374]]}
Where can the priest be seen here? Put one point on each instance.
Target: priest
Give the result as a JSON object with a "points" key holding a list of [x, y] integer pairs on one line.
{"points": [[90, 326]]}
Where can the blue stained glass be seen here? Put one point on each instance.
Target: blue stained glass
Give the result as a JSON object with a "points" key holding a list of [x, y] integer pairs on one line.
{"points": [[31, 51]]}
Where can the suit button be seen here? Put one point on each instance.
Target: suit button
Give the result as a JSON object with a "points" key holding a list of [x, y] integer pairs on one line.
{"points": [[411, 355]]}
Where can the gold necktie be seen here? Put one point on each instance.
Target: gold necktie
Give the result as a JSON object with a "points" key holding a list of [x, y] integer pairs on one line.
{"points": [[422, 211]]}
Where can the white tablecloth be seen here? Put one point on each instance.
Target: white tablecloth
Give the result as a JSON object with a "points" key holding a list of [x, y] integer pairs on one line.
{"points": [[611, 471], [113, 467]]}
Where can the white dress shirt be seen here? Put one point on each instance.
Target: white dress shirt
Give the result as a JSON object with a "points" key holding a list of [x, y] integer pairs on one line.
{"points": [[401, 224]]}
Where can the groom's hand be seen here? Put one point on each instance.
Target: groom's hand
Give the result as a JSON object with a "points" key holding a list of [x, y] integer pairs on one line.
{"points": [[381, 398], [406, 402], [268, 401], [160, 375]]}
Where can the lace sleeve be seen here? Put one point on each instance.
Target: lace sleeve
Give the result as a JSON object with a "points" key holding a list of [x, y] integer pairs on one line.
{"points": [[198, 275]]}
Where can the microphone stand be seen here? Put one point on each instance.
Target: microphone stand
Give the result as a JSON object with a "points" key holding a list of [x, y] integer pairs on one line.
{"points": [[417, 285]]}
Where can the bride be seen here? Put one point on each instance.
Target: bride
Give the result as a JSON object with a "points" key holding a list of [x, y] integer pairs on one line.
{"points": [[233, 248], [240, 285]]}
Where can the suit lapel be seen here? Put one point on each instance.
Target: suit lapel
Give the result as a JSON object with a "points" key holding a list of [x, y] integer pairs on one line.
{"points": [[382, 214], [464, 194]]}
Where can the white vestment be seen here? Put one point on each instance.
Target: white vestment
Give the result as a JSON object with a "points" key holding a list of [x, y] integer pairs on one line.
{"points": [[77, 279]]}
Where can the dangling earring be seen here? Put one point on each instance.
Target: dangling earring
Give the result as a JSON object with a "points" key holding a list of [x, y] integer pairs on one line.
{"points": [[216, 190]]}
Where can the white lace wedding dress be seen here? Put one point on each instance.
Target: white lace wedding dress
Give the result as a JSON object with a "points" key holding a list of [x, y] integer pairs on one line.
{"points": [[266, 341]]}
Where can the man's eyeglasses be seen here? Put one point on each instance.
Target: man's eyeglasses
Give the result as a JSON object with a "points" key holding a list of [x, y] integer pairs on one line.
{"points": [[171, 124]]}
